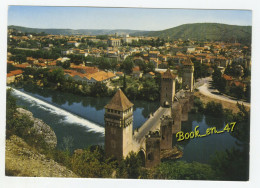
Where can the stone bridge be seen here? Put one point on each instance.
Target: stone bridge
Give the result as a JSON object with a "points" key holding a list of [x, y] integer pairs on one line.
{"points": [[156, 134]]}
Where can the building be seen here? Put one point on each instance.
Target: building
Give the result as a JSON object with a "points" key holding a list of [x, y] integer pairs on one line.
{"points": [[14, 75], [188, 79], [74, 43], [167, 88], [137, 73], [114, 42], [118, 126]]}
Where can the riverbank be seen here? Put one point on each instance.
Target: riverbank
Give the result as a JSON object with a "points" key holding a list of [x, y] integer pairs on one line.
{"points": [[226, 104]]}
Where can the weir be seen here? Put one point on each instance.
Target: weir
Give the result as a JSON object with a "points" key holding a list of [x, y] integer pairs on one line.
{"points": [[155, 135], [68, 116]]}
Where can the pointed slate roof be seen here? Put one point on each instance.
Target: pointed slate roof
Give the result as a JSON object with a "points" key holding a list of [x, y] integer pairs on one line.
{"points": [[188, 61], [119, 102], [168, 74]]}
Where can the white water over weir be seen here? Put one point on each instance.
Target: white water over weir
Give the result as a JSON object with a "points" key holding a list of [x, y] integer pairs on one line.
{"points": [[68, 117]]}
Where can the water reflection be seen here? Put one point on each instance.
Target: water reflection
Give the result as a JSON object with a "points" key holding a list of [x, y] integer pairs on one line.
{"points": [[201, 149]]}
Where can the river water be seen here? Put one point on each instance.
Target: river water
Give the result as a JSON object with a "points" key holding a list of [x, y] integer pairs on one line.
{"points": [[80, 120]]}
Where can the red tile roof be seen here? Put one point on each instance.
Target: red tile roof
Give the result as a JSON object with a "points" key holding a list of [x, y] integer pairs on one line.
{"points": [[227, 77], [16, 72]]}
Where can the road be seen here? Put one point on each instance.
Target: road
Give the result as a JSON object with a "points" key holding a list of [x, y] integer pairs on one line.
{"points": [[151, 124], [204, 87]]}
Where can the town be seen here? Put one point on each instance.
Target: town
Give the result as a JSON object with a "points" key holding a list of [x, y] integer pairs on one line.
{"points": [[114, 60]]}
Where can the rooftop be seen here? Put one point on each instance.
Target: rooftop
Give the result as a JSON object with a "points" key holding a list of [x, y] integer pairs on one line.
{"points": [[168, 74], [119, 102]]}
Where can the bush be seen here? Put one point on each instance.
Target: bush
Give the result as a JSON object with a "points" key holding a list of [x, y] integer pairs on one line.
{"points": [[182, 170]]}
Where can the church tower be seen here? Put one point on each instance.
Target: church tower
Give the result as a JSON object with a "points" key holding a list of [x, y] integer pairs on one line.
{"points": [[118, 126], [188, 79], [167, 89]]}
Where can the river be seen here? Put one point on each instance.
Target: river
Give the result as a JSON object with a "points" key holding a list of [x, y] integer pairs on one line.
{"points": [[80, 121]]}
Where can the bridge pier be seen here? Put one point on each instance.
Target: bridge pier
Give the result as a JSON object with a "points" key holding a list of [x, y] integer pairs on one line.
{"points": [[185, 108], [190, 96], [153, 149], [166, 132], [176, 116]]}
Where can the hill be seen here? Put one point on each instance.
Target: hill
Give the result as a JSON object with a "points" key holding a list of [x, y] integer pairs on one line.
{"points": [[23, 160], [74, 32], [206, 31]]}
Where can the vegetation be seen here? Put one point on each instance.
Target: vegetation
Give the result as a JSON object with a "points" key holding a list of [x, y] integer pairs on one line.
{"points": [[235, 91], [181, 170], [207, 31], [232, 164]]}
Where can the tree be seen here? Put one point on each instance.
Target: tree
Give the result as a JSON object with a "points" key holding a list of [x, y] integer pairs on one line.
{"points": [[98, 89], [130, 167], [182, 170], [17, 124], [127, 66], [214, 109], [92, 164], [150, 89], [57, 76], [218, 81], [233, 164]]}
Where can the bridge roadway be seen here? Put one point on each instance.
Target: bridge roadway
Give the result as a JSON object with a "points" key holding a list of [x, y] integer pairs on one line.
{"points": [[151, 124]]}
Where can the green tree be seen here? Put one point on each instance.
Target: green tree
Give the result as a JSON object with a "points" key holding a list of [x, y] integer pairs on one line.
{"points": [[150, 89], [182, 170], [127, 66], [92, 164], [233, 164], [214, 109], [130, 167], [98, 89]]}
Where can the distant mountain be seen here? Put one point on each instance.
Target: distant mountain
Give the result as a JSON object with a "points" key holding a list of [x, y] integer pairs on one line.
{"points": [[75, 32], [196, 31], [206, 31]]}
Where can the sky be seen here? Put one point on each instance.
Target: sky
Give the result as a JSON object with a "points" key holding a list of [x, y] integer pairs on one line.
{"points": [[120, 18]]}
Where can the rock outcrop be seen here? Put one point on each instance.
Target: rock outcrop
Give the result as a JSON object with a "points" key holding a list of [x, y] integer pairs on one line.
{"points": [[41, 128]]}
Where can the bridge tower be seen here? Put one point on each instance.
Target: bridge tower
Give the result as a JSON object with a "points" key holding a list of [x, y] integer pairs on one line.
{"points": [[166, 132], [188, 79], [118, 126], [153, 149], [167, 89]]}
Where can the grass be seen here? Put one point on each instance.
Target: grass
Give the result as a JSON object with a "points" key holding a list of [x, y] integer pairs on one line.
{"points": [[23, 160]]}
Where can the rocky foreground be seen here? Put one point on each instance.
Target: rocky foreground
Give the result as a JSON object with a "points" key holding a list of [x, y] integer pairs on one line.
{"points": [[24, 160], [41, 128]]}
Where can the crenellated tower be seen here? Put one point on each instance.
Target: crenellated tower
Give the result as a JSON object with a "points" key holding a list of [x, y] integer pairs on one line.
{"points": [[167, 88], [188, 79], [118, 126]]}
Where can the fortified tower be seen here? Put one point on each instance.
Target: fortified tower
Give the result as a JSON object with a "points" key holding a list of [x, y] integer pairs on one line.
{"points": [[167, 89], [187, 80], [118, 126]]}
